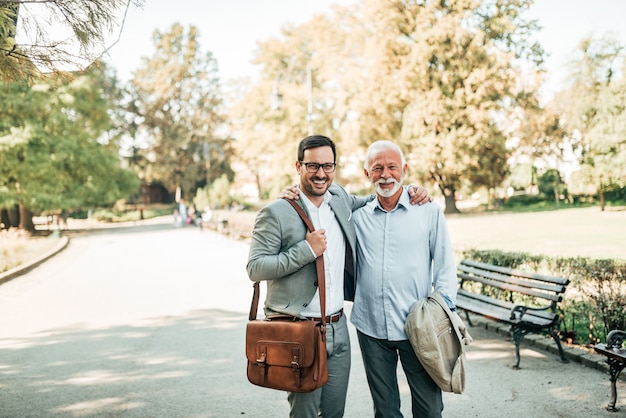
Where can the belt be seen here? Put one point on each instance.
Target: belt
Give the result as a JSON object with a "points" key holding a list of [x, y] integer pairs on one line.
{"points": [[330, 318]]}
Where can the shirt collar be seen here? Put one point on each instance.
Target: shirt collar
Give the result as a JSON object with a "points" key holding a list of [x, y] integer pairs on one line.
{"points": [[309, 205], [403, 203]]}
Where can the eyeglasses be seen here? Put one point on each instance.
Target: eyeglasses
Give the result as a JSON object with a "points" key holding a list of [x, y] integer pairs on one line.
{"points": [[313, 167]]}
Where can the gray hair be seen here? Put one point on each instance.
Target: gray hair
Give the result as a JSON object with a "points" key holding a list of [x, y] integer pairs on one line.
{"points": [[379, 146]]}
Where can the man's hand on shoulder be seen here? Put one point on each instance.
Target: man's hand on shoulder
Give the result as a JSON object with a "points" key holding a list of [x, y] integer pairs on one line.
{"points": [[290, 192], [418, 195]]}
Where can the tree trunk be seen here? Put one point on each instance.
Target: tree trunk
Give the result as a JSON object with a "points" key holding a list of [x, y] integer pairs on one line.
{"points": [[451, 204], [4, 219], [601, 200], [14, 216], [26, 219], [556, 197]]}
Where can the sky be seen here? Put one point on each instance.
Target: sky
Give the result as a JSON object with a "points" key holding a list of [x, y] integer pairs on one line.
{"points": [[231, 29]]}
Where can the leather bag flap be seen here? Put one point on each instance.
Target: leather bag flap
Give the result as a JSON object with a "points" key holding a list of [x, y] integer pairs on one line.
{"points": [[281, 342]]}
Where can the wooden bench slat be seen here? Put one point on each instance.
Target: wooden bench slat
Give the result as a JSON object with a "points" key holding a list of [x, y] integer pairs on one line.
{"points": [[504, 304], [514, 272], [521, 281], [481, 304], [512, 287]]}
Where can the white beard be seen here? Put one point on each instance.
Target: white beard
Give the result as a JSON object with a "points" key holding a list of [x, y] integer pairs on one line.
{"points": [[387, 192]]}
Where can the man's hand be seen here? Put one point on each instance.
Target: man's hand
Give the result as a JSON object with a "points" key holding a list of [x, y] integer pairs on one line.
{"points": [[290, 192], [317, 241], [419, 195]]}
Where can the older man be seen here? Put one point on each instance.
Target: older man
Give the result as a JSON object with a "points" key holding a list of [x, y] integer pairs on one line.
{"points": [[403, 252]]}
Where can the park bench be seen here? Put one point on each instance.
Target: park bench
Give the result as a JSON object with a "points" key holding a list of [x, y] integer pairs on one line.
{"points": [[524, 300], [616, 358]]}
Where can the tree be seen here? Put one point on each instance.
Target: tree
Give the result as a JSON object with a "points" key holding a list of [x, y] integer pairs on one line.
{"points": [[50, 155], [593, 107], [446, 75], [177, 102], [56, 35], [551, 184], [607, 138], [301, 86], [439, 78]]}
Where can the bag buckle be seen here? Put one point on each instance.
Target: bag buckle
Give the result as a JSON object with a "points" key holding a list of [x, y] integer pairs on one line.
{"points": [[295, 365]]}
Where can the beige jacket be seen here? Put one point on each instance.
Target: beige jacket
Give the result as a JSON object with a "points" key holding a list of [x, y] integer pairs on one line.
{"points": [[439, 337]]}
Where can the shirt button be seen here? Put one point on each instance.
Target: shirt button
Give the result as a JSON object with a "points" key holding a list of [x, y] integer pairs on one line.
{"points": [[315, 284]]}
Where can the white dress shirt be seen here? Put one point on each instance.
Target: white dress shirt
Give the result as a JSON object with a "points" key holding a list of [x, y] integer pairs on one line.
{"points": [[334, 257]]}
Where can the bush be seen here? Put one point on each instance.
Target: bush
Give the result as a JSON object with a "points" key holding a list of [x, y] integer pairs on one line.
{"points": [[524, 200]]}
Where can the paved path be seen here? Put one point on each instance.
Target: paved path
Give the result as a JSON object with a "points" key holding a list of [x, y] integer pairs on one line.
{"points": [[150, 322]]}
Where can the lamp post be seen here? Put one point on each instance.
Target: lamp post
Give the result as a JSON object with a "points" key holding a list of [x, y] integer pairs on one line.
{"points": [[309, 84], [276, 98]]}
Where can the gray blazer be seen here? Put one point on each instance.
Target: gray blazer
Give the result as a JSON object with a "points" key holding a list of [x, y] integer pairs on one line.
{"points": [[280, 255]]}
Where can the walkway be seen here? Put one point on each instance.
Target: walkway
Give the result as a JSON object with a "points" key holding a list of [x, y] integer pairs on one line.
{"points": [[150, 322]]}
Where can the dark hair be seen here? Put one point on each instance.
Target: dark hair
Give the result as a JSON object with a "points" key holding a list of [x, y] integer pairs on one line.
{"points": [[315, 141]]}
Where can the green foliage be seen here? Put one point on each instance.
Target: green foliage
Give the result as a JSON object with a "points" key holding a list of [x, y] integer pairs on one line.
{"points": [[436, 77], [218, 195], [448, 114], [176, 96], [594, 108], [521, 176], [517, 201], [579, 321], [51, 157], [551, 184], [615, 194], [505, 259], [582, 183], [88, 24]]}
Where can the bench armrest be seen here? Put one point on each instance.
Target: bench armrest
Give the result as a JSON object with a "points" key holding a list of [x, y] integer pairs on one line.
{"points": [[615, 339], [521, 309]]}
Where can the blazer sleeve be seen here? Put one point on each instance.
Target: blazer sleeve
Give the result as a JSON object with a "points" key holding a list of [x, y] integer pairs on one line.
{"points": [[354, 202], [278, 247]]}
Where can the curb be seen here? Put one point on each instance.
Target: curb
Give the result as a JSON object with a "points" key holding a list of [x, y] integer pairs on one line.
{"points": [[23, 268]]}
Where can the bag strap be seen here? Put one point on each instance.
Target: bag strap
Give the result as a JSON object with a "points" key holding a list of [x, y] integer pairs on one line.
{"points": [[319, 265], [319, 261]]}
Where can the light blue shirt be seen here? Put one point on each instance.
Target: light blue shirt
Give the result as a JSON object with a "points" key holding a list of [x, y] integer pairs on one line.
{"points": [[401, 256]]}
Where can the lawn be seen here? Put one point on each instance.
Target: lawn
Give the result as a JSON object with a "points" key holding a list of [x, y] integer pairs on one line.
{"points": [[586, 232]]}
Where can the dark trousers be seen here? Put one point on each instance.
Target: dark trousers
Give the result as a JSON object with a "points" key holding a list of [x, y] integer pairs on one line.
{"points": [[380, 358]]}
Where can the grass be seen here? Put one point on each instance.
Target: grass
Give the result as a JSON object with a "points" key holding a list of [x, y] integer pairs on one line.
{"points": [[571, 232], [585, 232]]}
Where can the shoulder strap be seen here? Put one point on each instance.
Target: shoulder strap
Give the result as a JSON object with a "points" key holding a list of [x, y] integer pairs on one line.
{"points": [[319, 265]]}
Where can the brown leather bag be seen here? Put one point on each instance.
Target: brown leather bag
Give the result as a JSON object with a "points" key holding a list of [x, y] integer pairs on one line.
{"points": [[284, 352]]}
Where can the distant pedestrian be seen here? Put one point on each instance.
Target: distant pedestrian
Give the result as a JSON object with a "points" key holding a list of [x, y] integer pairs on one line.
{"points": [[64, 216], [181, 213]]}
